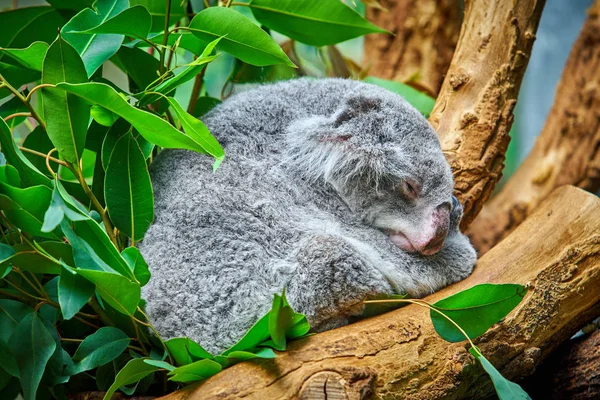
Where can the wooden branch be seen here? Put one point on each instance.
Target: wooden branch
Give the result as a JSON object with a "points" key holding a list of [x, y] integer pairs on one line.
{"points": [[567, 150], [474, 110], [419, 52], [398, 355], [572, 372]]}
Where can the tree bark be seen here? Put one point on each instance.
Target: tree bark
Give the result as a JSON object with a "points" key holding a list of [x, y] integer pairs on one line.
{"points": [[474, 110], [419, 52], [571, 372], [567, 150], [556, 251]]}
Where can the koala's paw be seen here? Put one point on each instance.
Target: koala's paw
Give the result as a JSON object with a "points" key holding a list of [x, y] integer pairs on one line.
{"points": [[456, 215]]}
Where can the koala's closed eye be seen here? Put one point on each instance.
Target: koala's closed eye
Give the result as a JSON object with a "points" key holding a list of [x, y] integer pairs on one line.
{"points": [[411, 188]]}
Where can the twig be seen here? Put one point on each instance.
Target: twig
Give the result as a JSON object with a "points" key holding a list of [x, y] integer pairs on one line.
{"points": [[196, 90], [15, 115], [34, 114], [43, 85], [37, 153], [163, 50]]}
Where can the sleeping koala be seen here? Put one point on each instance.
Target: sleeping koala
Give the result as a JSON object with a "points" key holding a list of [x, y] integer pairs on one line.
{"points": [[335, 189]]}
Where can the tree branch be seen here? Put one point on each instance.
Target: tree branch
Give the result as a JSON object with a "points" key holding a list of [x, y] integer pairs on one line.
{"points": [[567, 152]]}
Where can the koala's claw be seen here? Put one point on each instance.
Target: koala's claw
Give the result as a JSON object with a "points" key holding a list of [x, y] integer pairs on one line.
{"points": [[455, 214]]}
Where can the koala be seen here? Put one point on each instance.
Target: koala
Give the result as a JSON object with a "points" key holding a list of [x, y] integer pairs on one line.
{"points": [[335, 189]]}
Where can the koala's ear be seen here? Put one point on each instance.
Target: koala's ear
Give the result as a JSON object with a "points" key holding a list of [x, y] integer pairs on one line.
{"points": [[356, 106]]}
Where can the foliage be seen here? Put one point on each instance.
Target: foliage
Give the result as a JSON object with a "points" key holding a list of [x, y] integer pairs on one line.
{"points": [[75, 192]]}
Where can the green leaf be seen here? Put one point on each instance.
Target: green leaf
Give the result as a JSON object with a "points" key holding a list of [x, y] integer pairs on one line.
{"points": [[96, 246], [158, 11], [94, 49], [185, 40], [12, 313], [185, 351], [25, 208], [30, 175], [160, 364], [29, 259], [118, 291], [129, 60], [419, 100], [8, 362], [280, 320], [184, 74], [31, 57], [314, 22], [128, 189], [100, 348], [32, 346], [196, 129], [505, 389], [241, 37], [23, 26], [135, 21], [153, 128], [59, 209], [67, 116], [255, 336], [246, 355], [70, 4], [14, 105], [6, 253], [134, 371], [39, 141], [475, 310], [73, 293], [195, 371], [102, 116], [138, 265]]}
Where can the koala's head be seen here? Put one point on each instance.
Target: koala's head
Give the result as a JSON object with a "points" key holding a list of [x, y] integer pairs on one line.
{"points": [[384, 159]]}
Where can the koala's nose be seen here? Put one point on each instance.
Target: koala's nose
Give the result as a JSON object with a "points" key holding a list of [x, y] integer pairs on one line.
{"points": [[441, 223]]}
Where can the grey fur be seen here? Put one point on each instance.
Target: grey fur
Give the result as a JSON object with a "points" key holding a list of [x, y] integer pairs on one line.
{"points": [[308, 186]]}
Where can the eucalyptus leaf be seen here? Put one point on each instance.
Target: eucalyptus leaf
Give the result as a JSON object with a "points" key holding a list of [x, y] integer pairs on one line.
{"points": [[12, 313], [138, 265], [8, 362], [73, 293], [135, 22], [185, 40], [195, 371], [12, 106], [67, 116], [130, 59], [128, 189], [158, 11], [314, 22], [160, 364], [241, 37], [58, 209], [23, 26], [185, 351], [153, 128], [31, 57], [39, 141], [280, 320], [29, 259], [30, 175], [118, 291], [134, 371], [32, 345], [102, 116], [505, 389], [475, 310], [6, 253], [94, 49], [25, 208], [103, 346]]}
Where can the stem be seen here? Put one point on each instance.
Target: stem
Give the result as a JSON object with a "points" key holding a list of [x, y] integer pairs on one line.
{"points": [[43, 85], [196, 91], [37, 153], [228, 3], [15, 115], [34, 114], [23, 292], [238, 3], [98, 310], [163, 50], [101, 210], [426, 305]]}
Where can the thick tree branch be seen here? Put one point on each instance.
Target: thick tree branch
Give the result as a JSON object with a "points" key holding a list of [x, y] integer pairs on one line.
{"points": [[398, 355], [567, 150], [474, 110], [419, 52]]}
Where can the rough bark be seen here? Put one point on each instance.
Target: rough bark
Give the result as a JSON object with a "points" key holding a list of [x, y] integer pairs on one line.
{"points": [[474, 110], [567, 150], [571, 372], [419, 52], [556, 251]]}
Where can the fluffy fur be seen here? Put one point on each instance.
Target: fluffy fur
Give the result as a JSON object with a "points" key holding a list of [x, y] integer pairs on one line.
{"points": [[311, 191]]}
